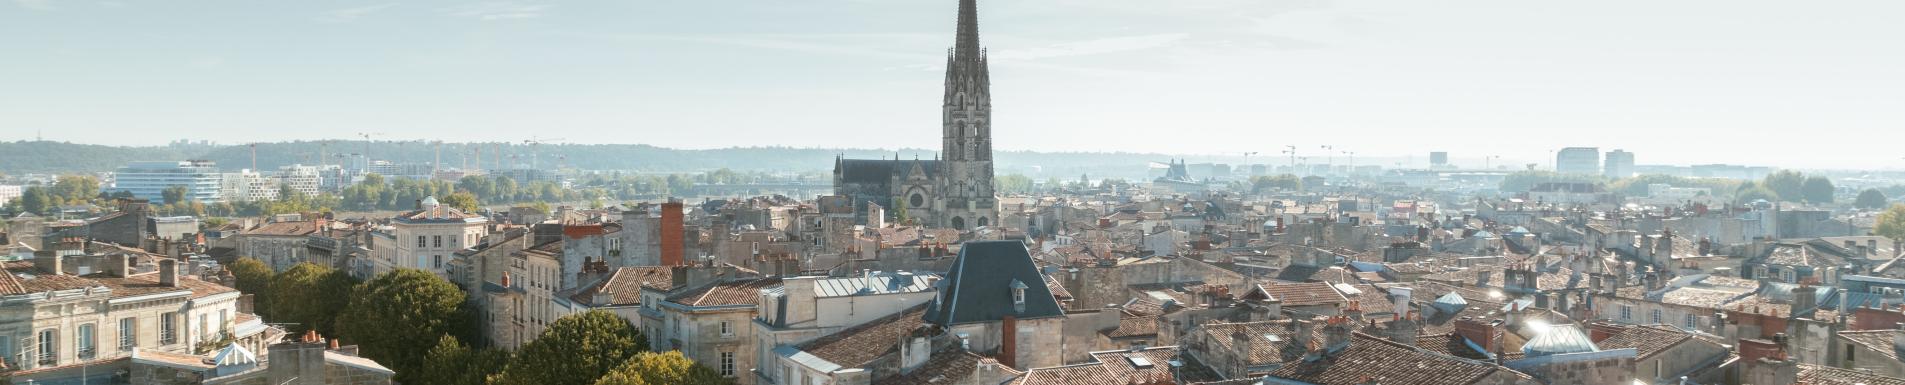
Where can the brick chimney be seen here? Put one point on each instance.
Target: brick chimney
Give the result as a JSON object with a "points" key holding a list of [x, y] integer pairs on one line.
{"points": [[673, 237], [1009, 341], [1476, 331], [1805, 298], [1865, 318]]}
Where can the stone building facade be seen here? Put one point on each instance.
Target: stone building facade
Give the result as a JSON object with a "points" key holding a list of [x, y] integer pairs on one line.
{"points": [[956, 190]]}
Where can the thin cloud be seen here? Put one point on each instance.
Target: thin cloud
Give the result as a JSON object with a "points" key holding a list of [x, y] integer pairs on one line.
{"points": [[498, 10], [349, 14]]}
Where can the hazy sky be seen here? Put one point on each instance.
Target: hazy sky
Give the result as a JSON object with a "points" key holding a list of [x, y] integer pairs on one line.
{"points": [[1800, 84]]}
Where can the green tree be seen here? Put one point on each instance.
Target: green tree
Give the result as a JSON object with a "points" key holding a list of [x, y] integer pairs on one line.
{"points": [[1871, 199], [574, 350], [1817, 189], [74, 189], [310, 295], [1751, 193], [461, 200], [174, 194], [35, 199], [1264, 183], [1891, 223], [1012, 183], [1789, 185], [453, 363], [254, 278], [397, 317], [662, 368]]}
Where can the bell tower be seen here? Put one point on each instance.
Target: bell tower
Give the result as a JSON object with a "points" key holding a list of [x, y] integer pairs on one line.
{"points": [[967, 199]]}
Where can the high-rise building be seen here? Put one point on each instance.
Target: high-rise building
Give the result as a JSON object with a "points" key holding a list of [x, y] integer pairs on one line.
{"points": [[1438, 159], [247, 186], [1620, 164], [148, 180], [1578, 160]]}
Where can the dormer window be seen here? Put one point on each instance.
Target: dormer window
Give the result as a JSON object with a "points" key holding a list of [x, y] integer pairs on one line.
{"points": [[1018, 295]]}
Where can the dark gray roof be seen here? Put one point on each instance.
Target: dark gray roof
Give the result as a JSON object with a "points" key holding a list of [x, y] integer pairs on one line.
{"points": [[978, 287], [882, 170]]}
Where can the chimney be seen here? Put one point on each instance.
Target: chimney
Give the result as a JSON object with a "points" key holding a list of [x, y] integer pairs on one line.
{"points": [[1305, 331], [1404, 328], [1805, 298], [1478, 332], [118, 265], [1008, 342], [169, 273], [1871, 247], [1336, 333], [673, 237], [1400, 295], [48, 262]]}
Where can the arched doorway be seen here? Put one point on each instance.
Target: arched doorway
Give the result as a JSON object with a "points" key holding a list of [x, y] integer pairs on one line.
{"points": [[982, 222], [959, 223]]}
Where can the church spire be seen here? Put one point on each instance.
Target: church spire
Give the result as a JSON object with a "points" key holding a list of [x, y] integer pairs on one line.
{"points": [[968, 45]]}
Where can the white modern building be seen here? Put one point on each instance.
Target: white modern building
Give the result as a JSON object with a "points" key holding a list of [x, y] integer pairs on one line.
{"points": [[303, 179], [247, 186], [1578, 160], [1620, 164], [149, 180]]}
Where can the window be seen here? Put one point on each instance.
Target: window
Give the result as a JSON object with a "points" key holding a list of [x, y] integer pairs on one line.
{"points": [[49, 346], [223, 319], [6, 351], [83, 341], [1691, 321], [204, 331], [727, 364], [438, 240], [1848, 351], [436, 261], [1656, 315], [1627, 312], [420, 241], [127, 327], [727, 330], [1018, 296], [168, 329]]}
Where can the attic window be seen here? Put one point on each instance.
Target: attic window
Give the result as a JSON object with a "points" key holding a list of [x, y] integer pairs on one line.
{"points": [[1018, 293]]}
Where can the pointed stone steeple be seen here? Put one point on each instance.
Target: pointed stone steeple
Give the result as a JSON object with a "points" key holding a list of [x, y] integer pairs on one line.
{"points": [[968, 43]]}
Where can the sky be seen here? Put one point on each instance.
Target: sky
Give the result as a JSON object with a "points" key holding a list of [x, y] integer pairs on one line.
{"points": [[1779, 83]]}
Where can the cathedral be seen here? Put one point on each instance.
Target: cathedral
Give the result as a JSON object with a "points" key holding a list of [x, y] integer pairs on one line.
{"points": [[955, 190]]}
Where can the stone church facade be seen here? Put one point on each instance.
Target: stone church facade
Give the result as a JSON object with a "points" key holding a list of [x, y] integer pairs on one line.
{"points": [[955, 190]]}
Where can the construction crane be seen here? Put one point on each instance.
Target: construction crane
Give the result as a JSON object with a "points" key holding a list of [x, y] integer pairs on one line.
{"points": [[535, 155], [366, 136]]}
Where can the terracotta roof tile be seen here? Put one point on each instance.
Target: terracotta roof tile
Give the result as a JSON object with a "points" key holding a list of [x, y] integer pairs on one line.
{"points": [[743, 292], [1369, 358], [858, 345]]}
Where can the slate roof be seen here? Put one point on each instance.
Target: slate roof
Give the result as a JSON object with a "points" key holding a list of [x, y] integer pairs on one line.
{"points": [[856, 346], [882, 170], [1372, 358], [978, 286], [742, 292]]}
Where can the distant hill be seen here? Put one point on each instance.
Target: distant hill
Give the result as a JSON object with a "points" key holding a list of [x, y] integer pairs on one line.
{"points": [[62, 157]]}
